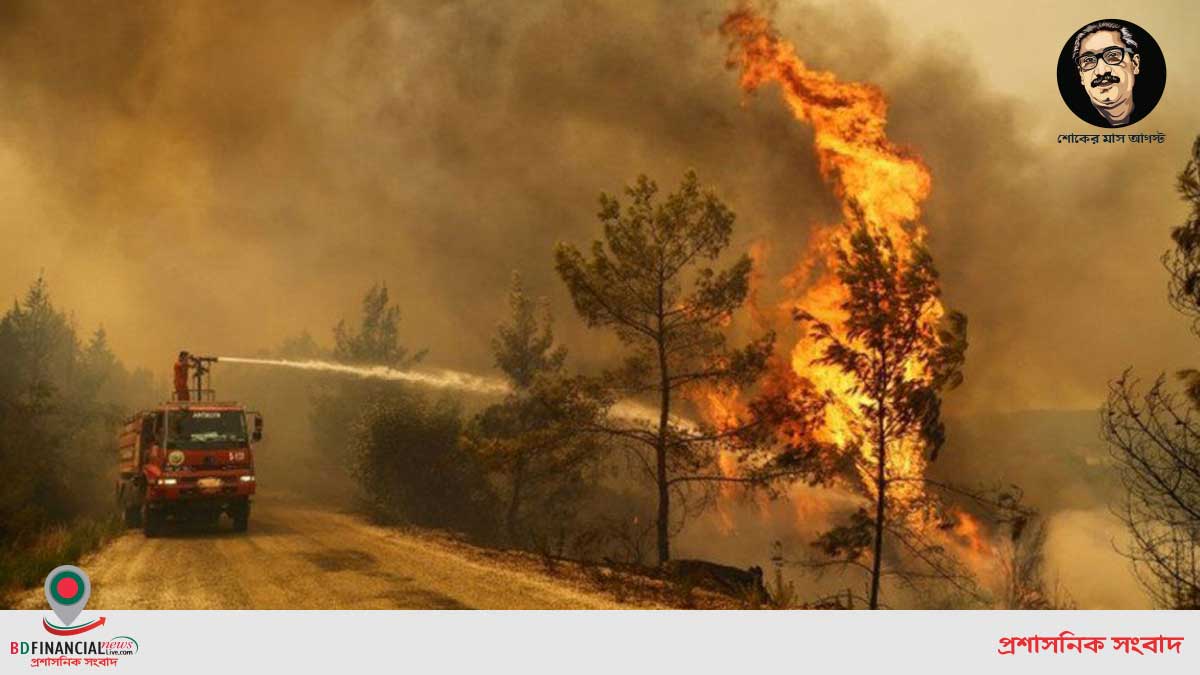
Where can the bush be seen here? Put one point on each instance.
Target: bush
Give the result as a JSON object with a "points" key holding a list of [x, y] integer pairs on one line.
{"points": [[413, 467]]}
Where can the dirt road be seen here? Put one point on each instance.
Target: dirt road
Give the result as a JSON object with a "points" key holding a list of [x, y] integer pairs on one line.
{"points": [[298, 556]]}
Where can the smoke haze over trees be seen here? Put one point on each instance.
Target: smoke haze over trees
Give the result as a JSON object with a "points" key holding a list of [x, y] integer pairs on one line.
{"points": [[303, 155]]}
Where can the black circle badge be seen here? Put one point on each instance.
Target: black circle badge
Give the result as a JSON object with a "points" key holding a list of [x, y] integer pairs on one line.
{"points": [[1111, 73]]}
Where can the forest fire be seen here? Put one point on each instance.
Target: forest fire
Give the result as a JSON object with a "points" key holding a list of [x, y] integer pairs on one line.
{"points": [[876, 182], [631, 304]]}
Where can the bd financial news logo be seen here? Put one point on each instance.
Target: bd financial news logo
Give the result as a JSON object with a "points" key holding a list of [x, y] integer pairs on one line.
{"points": [[67, 591]]}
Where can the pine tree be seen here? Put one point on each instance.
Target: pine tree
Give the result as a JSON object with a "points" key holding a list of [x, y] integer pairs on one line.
{"points": [[339, 405], [899, 362], [377, 340], [534, 440], [650, 282]]}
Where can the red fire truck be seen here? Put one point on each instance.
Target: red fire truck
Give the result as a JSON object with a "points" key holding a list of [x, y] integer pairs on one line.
{"points": [[188, 460]]}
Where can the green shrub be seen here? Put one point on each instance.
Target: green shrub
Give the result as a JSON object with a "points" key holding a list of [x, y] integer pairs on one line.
{"points": [[413, 467]]}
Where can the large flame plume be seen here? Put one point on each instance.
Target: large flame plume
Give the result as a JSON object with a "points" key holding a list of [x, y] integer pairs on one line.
{"points": [[876, 182]]}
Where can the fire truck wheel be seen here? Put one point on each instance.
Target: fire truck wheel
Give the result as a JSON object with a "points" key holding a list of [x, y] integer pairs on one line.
{"points": [[133, 516], [241, 518], [153, 522]]}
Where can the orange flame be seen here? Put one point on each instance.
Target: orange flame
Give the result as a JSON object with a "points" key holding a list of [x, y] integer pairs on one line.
{"points": [[969, 532], [848, 121], [722, 409], [869, 174], [973, 544]]}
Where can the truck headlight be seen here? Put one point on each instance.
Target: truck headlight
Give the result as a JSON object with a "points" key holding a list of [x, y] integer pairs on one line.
{"points": [[167, 481], [246, 479]]}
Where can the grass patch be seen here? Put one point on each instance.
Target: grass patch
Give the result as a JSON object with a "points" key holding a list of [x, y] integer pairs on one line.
{"points": [[23, 567]]}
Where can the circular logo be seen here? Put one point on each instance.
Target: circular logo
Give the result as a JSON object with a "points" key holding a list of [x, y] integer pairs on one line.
{"points": [[67, 587], [175, 458], [1111, 73]]}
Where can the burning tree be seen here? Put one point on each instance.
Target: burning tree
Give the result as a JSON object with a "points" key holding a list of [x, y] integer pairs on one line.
{"points": [[865, 385], [649, 283], [898, 358], [1155, 439]]}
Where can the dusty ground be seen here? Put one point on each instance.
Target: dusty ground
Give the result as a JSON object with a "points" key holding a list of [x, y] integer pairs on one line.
{"points": [[299, 556]]}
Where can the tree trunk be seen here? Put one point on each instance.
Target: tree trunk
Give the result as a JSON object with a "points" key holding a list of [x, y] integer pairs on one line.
{"points": [[664, 493], [514, 503], [664, 506], [664, 419], [880, 506]]}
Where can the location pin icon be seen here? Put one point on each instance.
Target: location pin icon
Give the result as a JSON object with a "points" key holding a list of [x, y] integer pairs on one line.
{"points": [[67, 590]]}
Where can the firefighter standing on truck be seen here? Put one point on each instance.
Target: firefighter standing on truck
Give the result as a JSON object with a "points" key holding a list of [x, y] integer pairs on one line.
{"points": [[181, 378]]}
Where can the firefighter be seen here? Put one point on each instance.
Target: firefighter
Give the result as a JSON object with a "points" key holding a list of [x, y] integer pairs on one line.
{"points": [[181, 378]]}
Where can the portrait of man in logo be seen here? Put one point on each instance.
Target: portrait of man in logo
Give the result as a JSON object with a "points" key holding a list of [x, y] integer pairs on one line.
{"points": [[1111, 73]]}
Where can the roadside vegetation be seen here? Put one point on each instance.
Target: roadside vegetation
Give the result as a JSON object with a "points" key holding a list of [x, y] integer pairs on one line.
{"points": [[62, 397]]}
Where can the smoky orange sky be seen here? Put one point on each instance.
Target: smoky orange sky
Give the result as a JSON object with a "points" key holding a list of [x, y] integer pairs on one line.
{"points": [[219, 176]]}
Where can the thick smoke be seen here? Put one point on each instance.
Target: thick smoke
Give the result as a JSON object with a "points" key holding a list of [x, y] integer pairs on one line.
{"points": [[224, 162], [220, 175]]}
